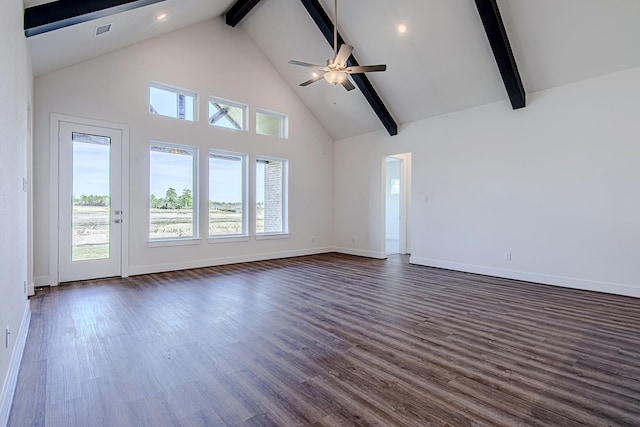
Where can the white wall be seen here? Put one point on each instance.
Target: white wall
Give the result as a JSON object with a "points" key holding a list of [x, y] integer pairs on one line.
{"points": [[555, 184], [15, 93], [211, 59]]}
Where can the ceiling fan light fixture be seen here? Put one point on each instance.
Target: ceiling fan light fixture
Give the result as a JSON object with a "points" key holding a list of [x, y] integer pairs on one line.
{"points": [[337, 68], [335, 77]]}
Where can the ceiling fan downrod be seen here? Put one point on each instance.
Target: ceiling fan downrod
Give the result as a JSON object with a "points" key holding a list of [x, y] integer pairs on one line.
{"points": [[335, 30]]}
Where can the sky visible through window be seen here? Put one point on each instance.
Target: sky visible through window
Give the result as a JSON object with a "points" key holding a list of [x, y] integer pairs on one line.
{"points": [[90, 169], [169, 170], [226, 115], [91, 163], [225, 186], [165, 103], [259, 182]]}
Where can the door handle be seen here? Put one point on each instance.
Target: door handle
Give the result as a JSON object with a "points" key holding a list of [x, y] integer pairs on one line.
{"points": [[117, 221]]}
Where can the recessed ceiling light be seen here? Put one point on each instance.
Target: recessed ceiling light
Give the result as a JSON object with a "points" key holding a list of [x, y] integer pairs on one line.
{"points": [[161, 16], [402, 28]]}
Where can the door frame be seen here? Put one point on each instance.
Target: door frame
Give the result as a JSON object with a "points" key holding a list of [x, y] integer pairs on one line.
{"points": [[401, 229], [54, 195], [405, 202]]}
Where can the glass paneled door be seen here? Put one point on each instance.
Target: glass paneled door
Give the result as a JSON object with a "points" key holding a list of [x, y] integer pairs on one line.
{"points": [[90, 217]]}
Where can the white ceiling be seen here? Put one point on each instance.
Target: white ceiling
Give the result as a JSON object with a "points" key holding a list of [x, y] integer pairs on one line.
{"points": [[443, 63], [60, 48]]}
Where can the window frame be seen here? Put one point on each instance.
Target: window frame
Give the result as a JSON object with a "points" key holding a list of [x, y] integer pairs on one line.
{"points": [[284, 233], [284, 129], [244, 235], [236, 104], [178, 91], [195, 237]]}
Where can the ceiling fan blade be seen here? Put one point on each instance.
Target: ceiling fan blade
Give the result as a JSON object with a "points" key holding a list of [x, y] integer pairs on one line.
{"points": [[348, 85], [313, 80], [365, 69], [306, 64], [343, 54]]}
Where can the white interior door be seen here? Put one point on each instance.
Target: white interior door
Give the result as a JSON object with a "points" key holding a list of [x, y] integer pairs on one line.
{"points": [[90, 202]]}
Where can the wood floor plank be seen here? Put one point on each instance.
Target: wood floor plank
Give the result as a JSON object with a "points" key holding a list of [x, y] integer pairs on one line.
{"points": [[328, 340], [202, 419]]}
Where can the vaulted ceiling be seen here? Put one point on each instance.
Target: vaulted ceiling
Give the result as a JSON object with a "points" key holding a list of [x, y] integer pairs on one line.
{"points": [[442, 63]]}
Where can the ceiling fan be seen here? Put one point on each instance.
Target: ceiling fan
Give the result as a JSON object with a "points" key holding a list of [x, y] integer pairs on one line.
{"points": [[336, 70]]}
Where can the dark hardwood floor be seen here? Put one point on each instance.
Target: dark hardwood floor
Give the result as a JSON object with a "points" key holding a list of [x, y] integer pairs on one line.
{"points": [[329, 340]]}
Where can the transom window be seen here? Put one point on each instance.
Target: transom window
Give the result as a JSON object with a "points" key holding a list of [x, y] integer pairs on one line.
{"points": [[227, 114], [271, 123], [173, 102]]}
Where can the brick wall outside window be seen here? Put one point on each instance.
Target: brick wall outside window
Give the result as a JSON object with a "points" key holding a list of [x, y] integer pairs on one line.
{"points": [[273, 197]]}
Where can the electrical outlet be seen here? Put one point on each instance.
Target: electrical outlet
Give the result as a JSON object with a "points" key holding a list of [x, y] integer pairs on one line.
{"points": [[24, 184], [6, 337], [24, 289], [507, 256], [353, 240], [313, 240]]}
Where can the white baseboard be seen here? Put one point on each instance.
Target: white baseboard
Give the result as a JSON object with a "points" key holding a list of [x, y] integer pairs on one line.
{"points": [[11, 380], [41, 281], [546, 279], [159, 268], [360, 252]]}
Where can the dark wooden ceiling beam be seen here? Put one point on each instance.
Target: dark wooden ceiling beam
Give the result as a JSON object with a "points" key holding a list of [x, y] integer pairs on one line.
{"points": [[64, 13], [238, 11], [497, 35], [325, 25]]}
